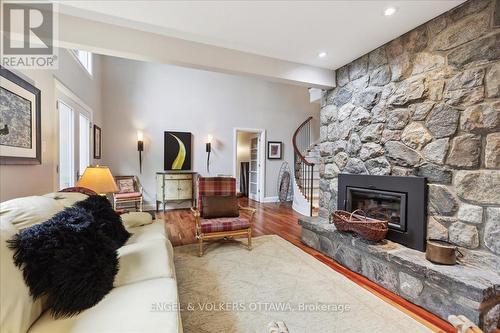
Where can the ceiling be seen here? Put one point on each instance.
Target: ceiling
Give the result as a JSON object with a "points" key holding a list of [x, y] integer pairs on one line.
{"points": [[295, 31]]}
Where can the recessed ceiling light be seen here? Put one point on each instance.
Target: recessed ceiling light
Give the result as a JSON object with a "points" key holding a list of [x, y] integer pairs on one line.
{"points": [[389, 11], [322, 54]]}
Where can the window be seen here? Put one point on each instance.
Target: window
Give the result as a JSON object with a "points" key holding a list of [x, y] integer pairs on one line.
{"points": [[85, 58]]}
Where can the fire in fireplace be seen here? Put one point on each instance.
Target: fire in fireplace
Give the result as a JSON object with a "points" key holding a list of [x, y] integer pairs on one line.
{"points": [[399, 200]]}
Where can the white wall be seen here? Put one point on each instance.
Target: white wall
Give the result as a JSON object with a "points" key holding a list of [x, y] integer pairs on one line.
{"points": [[24, 180], [156, 97]]}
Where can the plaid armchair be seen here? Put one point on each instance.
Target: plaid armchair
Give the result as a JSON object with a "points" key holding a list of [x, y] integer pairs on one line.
{"points": [[223, 226]]}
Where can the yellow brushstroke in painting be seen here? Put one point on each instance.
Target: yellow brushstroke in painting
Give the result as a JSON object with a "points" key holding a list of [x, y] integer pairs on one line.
{"points": [[181, 155]]}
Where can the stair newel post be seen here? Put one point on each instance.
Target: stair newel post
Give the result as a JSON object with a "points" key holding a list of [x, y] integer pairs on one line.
{"points": [[312, 187]]}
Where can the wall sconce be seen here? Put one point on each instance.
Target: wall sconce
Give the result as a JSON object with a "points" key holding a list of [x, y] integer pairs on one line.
{"points": [[209, 150], [140, 148]]}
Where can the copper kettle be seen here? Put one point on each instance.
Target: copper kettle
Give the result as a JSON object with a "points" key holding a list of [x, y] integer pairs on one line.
{"points": [[442, 252]]}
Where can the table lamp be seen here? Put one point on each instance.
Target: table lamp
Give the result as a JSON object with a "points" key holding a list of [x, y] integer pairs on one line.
{"points": [[98, 179]]}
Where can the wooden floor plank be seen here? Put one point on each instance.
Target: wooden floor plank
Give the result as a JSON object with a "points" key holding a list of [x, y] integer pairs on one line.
{"points": [[280, 219]]}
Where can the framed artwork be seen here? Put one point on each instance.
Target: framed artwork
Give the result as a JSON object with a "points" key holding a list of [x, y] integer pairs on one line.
{"points": [[97, 142], [274, 150], [177, 151], [20, 120]]}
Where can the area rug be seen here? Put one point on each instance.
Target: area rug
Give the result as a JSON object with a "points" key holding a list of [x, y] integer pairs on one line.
{"points": [[231, 289]]}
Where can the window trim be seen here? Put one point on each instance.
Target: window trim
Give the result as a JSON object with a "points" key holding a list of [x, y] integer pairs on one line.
{"points": [[75, 57]]}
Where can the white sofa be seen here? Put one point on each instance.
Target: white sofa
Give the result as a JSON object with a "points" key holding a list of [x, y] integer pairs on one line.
{"points": [[144, 298]]}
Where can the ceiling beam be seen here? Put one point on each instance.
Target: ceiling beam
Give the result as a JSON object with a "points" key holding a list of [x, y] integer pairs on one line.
{"points": [[114, 40]]}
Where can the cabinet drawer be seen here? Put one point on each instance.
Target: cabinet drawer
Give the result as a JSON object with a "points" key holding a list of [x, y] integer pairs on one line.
{"points": [[178, 177]]}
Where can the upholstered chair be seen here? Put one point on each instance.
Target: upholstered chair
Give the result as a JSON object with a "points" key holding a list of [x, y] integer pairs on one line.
{"points": [[220, 227], [129, 193]]}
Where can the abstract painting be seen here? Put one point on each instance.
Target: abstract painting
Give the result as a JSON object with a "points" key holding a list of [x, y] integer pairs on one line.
{"points": [[20, 128], [177, 154]]}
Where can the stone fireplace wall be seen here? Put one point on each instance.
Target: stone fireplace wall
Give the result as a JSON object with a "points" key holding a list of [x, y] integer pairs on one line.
{"points": [[426, 104]]}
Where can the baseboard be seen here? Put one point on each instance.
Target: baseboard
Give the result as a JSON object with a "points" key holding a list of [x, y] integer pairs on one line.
{"points": [[271, 199]]}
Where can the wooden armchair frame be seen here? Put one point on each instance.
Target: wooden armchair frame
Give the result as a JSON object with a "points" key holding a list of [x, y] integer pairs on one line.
{"points": [[200, 236]]}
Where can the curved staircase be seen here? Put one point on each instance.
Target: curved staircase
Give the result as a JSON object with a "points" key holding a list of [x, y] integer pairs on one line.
{"points": [[306, 171]]}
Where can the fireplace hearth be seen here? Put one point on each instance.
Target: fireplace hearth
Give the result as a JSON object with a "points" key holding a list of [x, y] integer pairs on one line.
{"points": [[399, 200]]}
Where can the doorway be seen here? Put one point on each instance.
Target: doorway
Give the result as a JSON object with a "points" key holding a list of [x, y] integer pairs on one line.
{"points": [[74, 131], [249, 163]]}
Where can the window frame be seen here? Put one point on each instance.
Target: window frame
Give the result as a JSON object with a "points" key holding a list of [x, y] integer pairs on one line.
{"points": [[90, 69]]}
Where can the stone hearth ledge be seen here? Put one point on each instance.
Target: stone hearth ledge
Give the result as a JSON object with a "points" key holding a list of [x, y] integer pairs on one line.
{"points": [[467, 289]]}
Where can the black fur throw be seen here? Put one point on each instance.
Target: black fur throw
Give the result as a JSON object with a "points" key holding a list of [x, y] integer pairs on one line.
{"points": [[67, 260], [107, 221]]}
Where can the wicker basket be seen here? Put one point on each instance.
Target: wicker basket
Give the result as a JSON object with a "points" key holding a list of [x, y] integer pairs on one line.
{"points": [[368, 228]]}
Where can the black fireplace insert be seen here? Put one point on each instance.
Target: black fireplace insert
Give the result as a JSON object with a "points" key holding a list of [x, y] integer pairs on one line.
{"points": [[399, 200]]}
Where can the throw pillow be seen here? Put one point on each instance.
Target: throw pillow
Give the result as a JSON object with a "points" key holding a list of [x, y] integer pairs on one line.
{"points": [[108, 222], [220, 206], [67, 260], [126, 185]]}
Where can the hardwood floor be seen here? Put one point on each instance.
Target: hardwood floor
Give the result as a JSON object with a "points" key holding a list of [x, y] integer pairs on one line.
{"points": [[280, 219]]}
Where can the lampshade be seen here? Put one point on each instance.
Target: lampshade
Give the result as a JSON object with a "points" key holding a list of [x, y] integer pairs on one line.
{"points": [[98, 179]]}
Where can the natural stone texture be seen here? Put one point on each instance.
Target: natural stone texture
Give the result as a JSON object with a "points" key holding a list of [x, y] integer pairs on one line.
{"points": [[442, 121], [436, 25], [331, 170], [401, 66], [401, 172], [492, 317], [342, 76], [465, 97], [426, 61], [492, 229], [379, 113], [464, 235], [328, 114], [401, 155], [360, 117], [342, 96], [358, 68], [380, 273], [341, 159], [477, 51], [466, 79], [397, 119], [461, 32], [408, 91], [345, 111], [492, 80], [323, 133], [441, 200], [465, 151], [435, 151], [368, 98], [492, 151], [361, 83], [354, 144], [355, 166], [421, 110], [339, 131], [467, 8], [415, 40], [370, 150], [436, 230], [409, 285], [434, 173], [391, 135], [415, 135], [435, 90], [395, 48], [310, 238], [380, 76], [372, 132], [332, 148], [482, 118], [479, 187], [378, 166], [377, 58], [470, 213]]}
